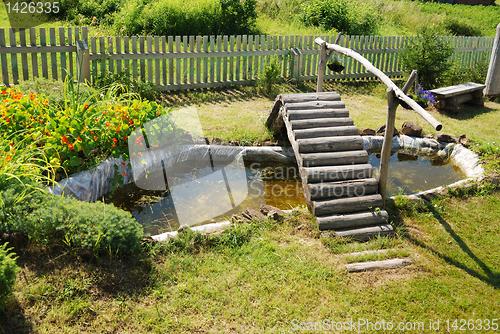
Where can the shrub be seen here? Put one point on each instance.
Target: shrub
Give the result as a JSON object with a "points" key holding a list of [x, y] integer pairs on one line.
{"points": [[102, 10], [46, 218], [428, 54], [457, 74], [461, 27], [8, 269], [175, 17], [270, 76], [123, 83], [348, 18]]}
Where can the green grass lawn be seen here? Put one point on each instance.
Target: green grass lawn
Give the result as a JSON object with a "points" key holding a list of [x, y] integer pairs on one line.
{"points": [[267, 274]]}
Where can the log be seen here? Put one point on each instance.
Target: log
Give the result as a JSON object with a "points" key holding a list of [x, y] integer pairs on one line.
{"points": [[493, 77], [329, 144], [336, 173], [306, 97], [321, 123], [378, 265], [334, 158], [345, 205], [341, 189], [317, 113], [316, 105], [366, 233], [274, 114], [358, 219], [385, 79], [326, 132]]}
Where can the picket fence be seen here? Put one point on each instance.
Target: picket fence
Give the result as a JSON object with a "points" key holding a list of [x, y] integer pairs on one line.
{"points": [[183, 62]]}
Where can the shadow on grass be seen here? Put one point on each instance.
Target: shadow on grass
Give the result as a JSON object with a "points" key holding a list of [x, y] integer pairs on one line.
{"points": [[55, 276], [466, 112], [487, 275]]}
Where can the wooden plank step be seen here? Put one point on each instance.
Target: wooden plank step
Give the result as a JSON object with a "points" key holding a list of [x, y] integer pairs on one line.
{"points": [[366, 233], [358, 219], [345, 205], [316, 105], [334, 158], [378, 265], [336, 173], [329, 144], [306, 97], [336, 131], [348, 188], [321, 123], [317, 113]]}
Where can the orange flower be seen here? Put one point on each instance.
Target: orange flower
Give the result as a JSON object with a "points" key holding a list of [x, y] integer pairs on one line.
{"points": [[71, 147], [115, 140], [95, 137], [124, 174], [64, 140], [113, 145], [123, 163], [32, 96]]}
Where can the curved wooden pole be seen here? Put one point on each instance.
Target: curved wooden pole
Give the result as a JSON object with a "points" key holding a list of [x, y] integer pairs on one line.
{"points": [[385, 79]]}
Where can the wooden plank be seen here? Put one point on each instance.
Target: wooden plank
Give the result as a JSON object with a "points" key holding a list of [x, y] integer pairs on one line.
{"points": [[316, 105], [366, 233], [157, 70], [232, 42], [326, 132], [191, 60], [224, 64], [24, 56], [218, 60], [118, 46], [342, 189], [450, 91], [198, 61], [53, 55], [70, 54], [171, 61], [142, 63], [149, 45], [321, 123], [62, 55], [285, 61], [164, 61], [3, 59], [102, 53], [317, 113], [247, 69], [134, 62], [185, 62], [212, 60], [43, 42], [346, 205], [307, 97], [205, 60], [334, 158], [13, 57], [330, 144], [256, 59], [110, 51], [126, 50], [378, 265], [336, 173], [34, 56], [392, 104], [93, 50]]}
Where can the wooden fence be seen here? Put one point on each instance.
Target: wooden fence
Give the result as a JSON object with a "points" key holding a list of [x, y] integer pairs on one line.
{"points": [[183, 62]]}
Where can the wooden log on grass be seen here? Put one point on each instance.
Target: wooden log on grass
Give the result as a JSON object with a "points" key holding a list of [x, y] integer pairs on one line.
{"points": [[340, 221], [378, 265]]}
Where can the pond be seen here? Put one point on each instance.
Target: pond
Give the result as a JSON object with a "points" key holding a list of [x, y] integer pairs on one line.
{"points": [[278, 185]]}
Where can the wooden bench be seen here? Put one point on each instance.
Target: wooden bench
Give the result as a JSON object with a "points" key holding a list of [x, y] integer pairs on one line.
{"points": [[451, 97]]}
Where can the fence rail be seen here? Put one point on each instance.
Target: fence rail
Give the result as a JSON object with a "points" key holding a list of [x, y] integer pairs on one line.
{"points": [[181, 62]]}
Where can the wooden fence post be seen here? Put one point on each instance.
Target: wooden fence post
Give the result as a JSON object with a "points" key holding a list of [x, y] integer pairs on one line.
{"points": [[493, 77], [392, 104], [323, 59], [297, 62], [83, 59]]}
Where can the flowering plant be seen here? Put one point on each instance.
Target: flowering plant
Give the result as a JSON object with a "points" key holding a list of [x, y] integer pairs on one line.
{"points": [[423, 97], [336, 61]]}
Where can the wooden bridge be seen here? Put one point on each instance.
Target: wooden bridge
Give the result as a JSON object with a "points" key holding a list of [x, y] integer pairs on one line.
{"points": [[337, 180]]}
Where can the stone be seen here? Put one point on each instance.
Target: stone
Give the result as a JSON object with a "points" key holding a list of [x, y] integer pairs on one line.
{"points": [[429, 136], [256, 144], [381, 131], [272, 212], [491, 178], [463, 140], [251, 214], [445, 138], [235, 219], [367, 132], [182, 228], [269, 143], [411, 129]]}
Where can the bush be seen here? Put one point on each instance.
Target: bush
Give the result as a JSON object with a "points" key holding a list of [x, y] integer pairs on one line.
{"points": [[102, 10], [269, 77], [345, 17], [461, 27], [123, 83], [46, 218], [176, 18], [428, 54], [8, 269]]}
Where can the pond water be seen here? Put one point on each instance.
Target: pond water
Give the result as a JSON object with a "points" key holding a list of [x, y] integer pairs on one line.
{"points": [[277, 185]]}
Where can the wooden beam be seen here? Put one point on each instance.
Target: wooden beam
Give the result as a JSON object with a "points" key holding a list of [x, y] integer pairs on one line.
{"points": [[378, 265], [385, 79]]}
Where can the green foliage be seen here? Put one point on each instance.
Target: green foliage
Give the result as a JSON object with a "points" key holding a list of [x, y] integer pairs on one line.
{"points": [[175, 17], [269, 77], [8, 269], [83, 11], [461, 27], [457, 74], [347, 17], [46, 218], [428, 54], [122, 83]]}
